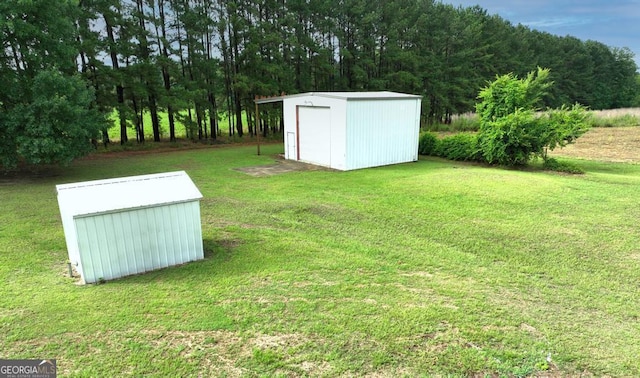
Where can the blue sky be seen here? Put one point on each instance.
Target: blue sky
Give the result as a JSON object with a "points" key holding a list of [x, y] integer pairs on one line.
{"points": [[615, 23]]}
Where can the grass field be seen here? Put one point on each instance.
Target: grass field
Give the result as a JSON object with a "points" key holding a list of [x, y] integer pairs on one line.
{"points": [[625, 117], [427, 268], [180, 130]]}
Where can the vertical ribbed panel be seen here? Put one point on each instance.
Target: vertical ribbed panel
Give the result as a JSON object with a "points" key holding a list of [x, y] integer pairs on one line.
{"points": [[122, 243], [382, 132]]}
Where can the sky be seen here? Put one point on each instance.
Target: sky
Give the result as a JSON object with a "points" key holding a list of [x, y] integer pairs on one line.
{"points": [[615, 23]]}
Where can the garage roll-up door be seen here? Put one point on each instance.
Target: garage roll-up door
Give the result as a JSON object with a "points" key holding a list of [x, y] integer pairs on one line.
{"points": [[314, 133]]}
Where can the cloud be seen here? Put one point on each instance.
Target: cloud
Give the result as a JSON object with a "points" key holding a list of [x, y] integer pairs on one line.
{"points": [[558, 22]]}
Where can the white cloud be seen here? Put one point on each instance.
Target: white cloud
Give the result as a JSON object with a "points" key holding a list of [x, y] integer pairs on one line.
{"points": [[558, 22]]}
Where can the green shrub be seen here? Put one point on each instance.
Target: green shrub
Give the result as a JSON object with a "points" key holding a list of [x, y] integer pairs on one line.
{"points": [[563, 126], [461, 147], [552, 164], [427, 144], [511, 132], [511, 139]]}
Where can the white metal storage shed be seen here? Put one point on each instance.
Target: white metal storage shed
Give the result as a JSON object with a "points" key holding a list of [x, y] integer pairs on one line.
{"points": [[350, 130], [129, 225]]}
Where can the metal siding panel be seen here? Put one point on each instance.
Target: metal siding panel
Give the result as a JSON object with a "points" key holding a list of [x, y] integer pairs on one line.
{"points": [[181, 229], [381, 132], [155, 232], [120, 226], [100, 269], [128, 240], [339, 135], [151, 238], [177, 242], [189, 234], [166, 241], [145, 228], [186, 235], [120, 244], [135, 243], [94, 270], [196, 230], [82, 236], [163, 227], [106, 241]]}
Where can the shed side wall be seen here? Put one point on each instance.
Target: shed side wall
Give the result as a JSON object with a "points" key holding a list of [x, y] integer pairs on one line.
{"points": [[382, 132], [118, 244]]}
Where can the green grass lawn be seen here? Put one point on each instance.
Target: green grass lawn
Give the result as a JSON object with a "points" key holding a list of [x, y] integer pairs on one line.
{"points": [[180, 130], [427, 268]]}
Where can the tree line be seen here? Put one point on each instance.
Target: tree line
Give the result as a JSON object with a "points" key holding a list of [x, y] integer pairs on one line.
{"points": [[196, 62]]}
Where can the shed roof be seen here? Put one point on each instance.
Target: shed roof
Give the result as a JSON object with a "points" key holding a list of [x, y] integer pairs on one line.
{"points": [[379, 95], [102, 196]]}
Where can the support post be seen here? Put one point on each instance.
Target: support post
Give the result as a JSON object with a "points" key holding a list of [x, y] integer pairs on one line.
{"points": [[257, 127]]}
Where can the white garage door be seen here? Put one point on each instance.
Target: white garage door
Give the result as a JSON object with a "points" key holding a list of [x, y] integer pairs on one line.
{"points": [[314, 133]]}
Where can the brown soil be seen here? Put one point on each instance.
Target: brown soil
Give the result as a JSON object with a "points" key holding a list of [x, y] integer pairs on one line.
{"points": [[281, 166], [615, 144]]}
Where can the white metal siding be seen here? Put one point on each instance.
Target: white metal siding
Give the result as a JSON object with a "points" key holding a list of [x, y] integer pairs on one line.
{"points": [[129, 242], [337, 120], [382, 132], [367, 128]]}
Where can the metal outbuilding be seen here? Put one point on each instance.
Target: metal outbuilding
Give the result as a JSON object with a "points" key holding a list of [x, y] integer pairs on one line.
{"points": [[129, 225], [350, 130]]}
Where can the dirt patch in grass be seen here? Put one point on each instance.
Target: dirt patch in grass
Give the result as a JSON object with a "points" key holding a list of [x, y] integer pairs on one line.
{"points": [[614, 144], [281, 166], [225, 351]]}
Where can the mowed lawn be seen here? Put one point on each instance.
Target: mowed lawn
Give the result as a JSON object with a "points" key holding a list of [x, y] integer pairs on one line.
{"points": [[427, 268]]}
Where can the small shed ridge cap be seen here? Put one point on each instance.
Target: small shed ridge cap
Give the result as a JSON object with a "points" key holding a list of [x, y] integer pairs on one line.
{"points": [[375, 95], [119, 180]]}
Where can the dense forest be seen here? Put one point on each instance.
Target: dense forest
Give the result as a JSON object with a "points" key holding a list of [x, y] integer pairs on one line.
{"points": [[196, 62]]}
